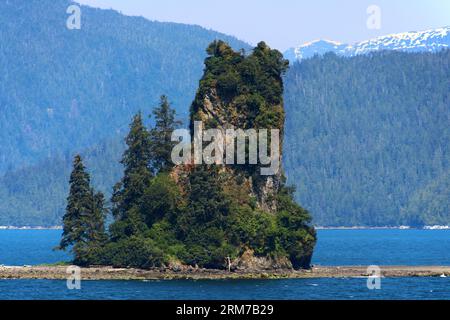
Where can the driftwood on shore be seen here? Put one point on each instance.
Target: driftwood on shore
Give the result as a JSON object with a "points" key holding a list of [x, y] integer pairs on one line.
{"points": [[108, 273]]}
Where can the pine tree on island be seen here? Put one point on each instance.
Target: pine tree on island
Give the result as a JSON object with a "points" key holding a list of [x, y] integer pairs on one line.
{"points": [[84, 220]]}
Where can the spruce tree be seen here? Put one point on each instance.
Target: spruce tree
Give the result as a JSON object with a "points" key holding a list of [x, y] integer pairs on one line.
{"points": [[84, 221], [95, 221], [161, 144], [202, 226], [128, 193], [89, 250], [78, 204]]}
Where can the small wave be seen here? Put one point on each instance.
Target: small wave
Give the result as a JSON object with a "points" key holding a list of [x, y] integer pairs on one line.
{"points": [[436, 228]]}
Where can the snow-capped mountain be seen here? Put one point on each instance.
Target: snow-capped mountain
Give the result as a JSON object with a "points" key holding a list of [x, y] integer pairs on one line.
{"points": [[310, 49], [430, 40]]}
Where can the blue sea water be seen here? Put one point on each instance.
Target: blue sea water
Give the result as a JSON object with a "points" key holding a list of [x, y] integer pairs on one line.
{"points": [[296, 289], [335, 247], [383, 247]]}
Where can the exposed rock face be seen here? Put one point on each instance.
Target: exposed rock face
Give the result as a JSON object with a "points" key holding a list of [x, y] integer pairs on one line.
{"points": [[241, 213], [250, 262], [236, 102], [227, 116]]}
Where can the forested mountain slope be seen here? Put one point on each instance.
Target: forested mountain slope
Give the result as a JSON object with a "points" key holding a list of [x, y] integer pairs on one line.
{"points": [[368, 137], [64, 90], [36, 195]]}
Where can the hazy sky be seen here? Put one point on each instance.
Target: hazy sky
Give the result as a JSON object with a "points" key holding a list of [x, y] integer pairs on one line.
{"points": [[286, 23]]}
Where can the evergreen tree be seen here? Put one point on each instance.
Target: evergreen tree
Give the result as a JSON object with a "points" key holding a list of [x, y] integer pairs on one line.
{"points": [[128, 193], [96, 223], [89, 250], [203, 226], [162, 200], [84, 221], [207, 202], [78, 204], [161, 144], [297, 236]]}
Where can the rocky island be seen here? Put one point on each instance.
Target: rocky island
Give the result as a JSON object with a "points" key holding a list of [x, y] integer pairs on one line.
{"points": [[206, 215]]}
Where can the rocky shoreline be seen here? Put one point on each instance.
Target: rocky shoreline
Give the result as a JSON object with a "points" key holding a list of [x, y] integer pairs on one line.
{"points": [[108, 273]]}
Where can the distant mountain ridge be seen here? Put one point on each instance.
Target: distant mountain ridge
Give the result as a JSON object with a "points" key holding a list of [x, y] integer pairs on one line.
{"points": [[432, 40], [75, 91], [367, 138], [58, 86], [66, 91]]}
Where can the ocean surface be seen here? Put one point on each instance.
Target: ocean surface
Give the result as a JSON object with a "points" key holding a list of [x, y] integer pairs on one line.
{"points": [[335, 247]]}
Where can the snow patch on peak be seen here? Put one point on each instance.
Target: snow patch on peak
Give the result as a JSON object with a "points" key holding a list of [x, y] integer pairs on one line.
{"points": [[429, 40]]}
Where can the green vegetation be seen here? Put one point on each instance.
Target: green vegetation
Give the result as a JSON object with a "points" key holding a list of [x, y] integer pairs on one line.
{"points": [[192, 215], [66, 92], [249, 85], [367, 138], [35, 195], [366, 142], [431, 203], [84, 221]]}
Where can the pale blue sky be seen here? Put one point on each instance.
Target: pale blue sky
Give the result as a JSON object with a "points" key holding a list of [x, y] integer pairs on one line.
{"points": [[286, 23]]}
